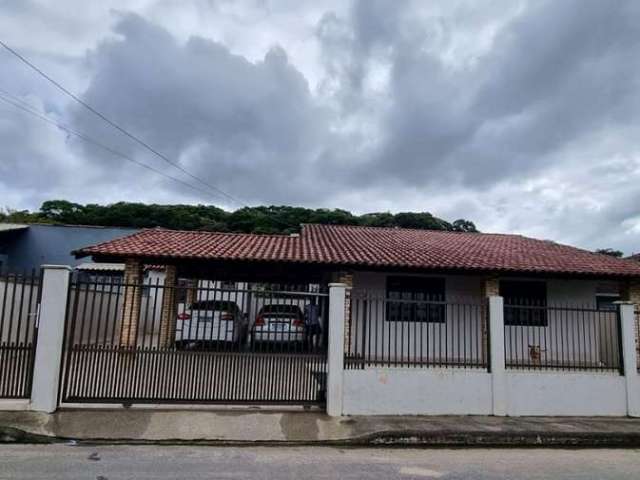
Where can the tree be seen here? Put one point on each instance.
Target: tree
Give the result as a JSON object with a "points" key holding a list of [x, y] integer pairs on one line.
{"points": [[381, 219], [610, 251], [61, 211], [272, 219], [462, 225], [420, 220], [20, 216]]}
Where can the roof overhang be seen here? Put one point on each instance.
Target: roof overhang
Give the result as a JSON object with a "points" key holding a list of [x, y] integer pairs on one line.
{"points": [[339, 248], [203, 267], [12, 227]]}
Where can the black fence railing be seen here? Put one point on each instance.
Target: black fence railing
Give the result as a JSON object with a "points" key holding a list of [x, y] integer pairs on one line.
{"points": [[637, 325], [562, 337], [206, 341], [429, 332], [19, 297]]}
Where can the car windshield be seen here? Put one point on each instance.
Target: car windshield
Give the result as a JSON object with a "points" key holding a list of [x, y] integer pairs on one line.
{"points": [[217, 305], [281, 310]]}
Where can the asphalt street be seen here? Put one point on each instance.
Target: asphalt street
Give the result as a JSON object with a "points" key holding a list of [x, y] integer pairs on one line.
{"points": [[70, 462]]}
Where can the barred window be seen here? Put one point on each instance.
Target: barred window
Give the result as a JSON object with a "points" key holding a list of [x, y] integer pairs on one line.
{"points": [[415, 299], [525, 302]]}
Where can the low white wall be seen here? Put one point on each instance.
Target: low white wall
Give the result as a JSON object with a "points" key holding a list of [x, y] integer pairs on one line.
{"points": [[405, 391], [565, 394], [392, 391]]}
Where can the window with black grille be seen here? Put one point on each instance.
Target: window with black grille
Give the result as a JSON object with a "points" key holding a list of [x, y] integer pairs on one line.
{"points": [[525, 302], [607, 301], [415, 299]]}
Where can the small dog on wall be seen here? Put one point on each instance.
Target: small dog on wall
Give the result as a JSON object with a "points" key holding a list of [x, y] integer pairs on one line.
{"points": [[535, 353]]}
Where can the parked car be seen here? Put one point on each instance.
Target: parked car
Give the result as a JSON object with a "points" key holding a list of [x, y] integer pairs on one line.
{"points": [[279, 323], [211, 321]]}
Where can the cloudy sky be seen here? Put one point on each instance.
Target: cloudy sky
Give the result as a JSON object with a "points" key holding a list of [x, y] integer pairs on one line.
{"points": [[523, 116]]}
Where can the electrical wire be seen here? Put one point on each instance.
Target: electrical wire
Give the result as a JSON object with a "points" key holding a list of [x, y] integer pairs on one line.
{"points": [[118, 127], [27, 108]]}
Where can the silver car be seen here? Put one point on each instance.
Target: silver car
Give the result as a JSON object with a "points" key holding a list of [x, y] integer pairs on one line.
{"points": [[210, 321], [279, 323]]}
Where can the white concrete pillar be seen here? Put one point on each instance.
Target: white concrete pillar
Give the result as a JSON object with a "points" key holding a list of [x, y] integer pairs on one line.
{"points": [[630, 358], [496, 339], [53, 307], [335, 360]]}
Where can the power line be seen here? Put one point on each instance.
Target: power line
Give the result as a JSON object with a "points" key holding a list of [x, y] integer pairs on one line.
{"points": [[118, 127], [27, 108], [134, 138], [30, 109]]}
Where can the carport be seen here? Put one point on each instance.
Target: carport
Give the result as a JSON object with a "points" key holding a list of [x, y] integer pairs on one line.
{"points": [[133, 341]]}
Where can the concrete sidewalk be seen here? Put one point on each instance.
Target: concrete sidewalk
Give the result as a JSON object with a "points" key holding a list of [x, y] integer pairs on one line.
{"points": [[246, 427]]}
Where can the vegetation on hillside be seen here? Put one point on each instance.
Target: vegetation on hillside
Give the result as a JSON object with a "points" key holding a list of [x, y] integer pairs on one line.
{"points": [[263, 219], [611, 252]]}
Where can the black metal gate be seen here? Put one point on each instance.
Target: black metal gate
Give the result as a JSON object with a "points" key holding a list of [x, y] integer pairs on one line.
{"points": [[19, 300], [206, 342]]}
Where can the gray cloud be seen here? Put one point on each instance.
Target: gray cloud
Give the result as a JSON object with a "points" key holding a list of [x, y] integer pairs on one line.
{"points": [[246, 127], [520, 115], [555, 73]]}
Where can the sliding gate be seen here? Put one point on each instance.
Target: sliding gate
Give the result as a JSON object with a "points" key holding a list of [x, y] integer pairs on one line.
{"points": [[212, 342]]}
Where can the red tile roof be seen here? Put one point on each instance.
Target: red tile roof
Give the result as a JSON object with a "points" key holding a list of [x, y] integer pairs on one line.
{"points": [[371, 247]]}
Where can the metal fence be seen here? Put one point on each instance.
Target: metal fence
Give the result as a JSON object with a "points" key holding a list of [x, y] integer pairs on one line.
{"points": [[19, 297], [562, 337], [637, 325], [432, 332], [197, 343]]}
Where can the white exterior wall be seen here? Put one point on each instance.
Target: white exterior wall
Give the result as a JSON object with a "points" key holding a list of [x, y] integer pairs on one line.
{"points": [[249, 298], [602, 349], [460, 336], [456, 286]]}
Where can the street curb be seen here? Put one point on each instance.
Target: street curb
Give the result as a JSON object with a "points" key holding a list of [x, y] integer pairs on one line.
{"points": [[387, 439], [15, 435], [505, 439]]}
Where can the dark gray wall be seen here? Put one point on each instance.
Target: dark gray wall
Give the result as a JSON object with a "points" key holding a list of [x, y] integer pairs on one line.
{"points": [[52, 244]]}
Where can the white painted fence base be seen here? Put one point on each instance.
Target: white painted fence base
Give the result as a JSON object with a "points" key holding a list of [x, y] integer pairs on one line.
{"points": [[457, 391], [462, 392], [406, 391], [12, 405]]}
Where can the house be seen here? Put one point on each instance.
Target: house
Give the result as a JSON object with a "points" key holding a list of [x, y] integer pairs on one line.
{"points": [[411, 265], [25, 247], [401, 262], [408, 321]]}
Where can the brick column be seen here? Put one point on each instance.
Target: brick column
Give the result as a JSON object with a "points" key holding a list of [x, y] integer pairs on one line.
{"points": [[490, 288], [132, 302], [346, 279], [168, 313], [631, 293], [192, 291]]}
